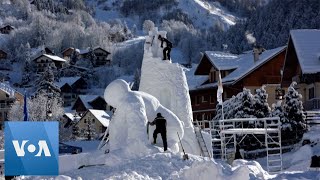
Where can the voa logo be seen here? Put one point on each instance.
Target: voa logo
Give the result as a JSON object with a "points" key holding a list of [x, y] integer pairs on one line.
{"points": [[31, 148], [42, 148]]}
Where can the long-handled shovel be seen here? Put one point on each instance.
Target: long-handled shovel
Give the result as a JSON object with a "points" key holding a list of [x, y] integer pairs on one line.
{"points": [[185, 156]]}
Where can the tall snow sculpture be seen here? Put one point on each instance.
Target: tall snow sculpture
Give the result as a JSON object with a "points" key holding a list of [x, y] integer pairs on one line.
{"points": [[128, 126], [167, 82]]}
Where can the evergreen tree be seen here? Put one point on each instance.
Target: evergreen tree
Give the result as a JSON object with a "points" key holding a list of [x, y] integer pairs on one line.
{"points": [[90, 131], [293, 110], [46, 84], [75, 131], [244, 108], [261, 107], [277, 111]]}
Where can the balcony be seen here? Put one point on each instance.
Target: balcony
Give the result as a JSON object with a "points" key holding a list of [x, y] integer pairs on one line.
{"points": [[312, 104]]}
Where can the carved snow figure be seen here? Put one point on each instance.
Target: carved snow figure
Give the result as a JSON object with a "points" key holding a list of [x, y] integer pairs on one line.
{"points": [[128, 126]]}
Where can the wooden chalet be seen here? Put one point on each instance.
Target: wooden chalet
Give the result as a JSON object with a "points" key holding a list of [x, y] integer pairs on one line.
{"points": [[247, 70], [45, 60], [7, 97], [6, 29], [70, 88], [101, 56], [86, 102], [3, 55], [99, 118], [302, 65], [67, 53]]}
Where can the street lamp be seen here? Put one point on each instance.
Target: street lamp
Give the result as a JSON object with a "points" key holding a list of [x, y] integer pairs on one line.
{"points": [[48, 106], [49, 114]]}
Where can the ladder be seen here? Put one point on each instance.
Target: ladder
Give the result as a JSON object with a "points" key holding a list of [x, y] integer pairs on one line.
{"points": [[216, 139], [273, 146], [203, 147], [228, 141], [104, 139]]}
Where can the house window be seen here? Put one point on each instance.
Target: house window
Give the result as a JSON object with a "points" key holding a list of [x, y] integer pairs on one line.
{"points": [[93, 120], [311, 93], [212, 73], [198, 100], [85, 120], [211, 99], [198, 117], [205, 98]]}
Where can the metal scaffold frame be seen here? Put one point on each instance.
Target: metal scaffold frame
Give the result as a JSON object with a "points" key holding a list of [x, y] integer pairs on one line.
{"points": [[224, 137], [230, 128]]}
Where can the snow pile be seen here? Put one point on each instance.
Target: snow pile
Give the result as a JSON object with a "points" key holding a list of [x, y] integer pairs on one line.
{"points": [[301, 159], [166, 166], [167, 82], [128, 126]]}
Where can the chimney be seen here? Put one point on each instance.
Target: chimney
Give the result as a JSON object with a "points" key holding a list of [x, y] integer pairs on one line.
{"points": [[257, 51]]}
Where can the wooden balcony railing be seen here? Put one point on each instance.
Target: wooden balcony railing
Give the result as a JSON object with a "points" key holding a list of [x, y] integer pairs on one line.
{"points": [[312, 104]]}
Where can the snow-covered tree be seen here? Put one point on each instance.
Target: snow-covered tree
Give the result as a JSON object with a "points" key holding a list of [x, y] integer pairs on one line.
{"points": [[38, 108], [244, 108], [277, 111], [75, 131], [261, 106], [293, 110], [65, 133], [45, 83], [148, 25], [16, 112], [90, 131]]}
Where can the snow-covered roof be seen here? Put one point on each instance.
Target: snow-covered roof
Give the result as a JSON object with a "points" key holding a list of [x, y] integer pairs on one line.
{"points": [[194, 81], [54, 58], [72, 117], [82, 51], [86, 99], [307, 47], [85, 51], [67, 80], [243, 64], [67, 49], [102, 116], [222, 60]]}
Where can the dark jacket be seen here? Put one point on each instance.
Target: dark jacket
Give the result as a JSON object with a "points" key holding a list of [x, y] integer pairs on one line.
{"points": [[169, 44], [160, 123]]}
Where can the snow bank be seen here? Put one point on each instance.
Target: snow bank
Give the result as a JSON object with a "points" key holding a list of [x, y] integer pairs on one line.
{"points": [[301, 159], [167, 166], [167, 82], [128, 126]]}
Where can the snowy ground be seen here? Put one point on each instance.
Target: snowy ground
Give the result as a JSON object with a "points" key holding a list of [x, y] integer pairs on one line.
{"points": [[170, 166], [159, 165]]}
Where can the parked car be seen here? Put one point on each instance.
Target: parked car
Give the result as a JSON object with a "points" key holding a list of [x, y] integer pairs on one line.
{"points": [[64, 148]]}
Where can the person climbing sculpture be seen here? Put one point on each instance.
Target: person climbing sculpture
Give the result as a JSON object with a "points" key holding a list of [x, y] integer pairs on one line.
{"points": [[161, 124], [167, 49]]}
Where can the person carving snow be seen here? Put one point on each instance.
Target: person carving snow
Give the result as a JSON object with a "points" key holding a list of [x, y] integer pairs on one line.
{"points": [[161, 127], [167, 49], [127, 128]]}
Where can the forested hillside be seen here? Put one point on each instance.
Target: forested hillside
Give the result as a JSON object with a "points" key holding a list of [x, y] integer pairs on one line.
{"points": [[271, 24]]}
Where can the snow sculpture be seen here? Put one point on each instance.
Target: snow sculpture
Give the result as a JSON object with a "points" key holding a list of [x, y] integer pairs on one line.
{"points": [[128, 126], [167, 82]]}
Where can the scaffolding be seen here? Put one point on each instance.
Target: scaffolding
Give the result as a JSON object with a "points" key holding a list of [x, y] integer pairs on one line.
{"points": [[269, 127]]}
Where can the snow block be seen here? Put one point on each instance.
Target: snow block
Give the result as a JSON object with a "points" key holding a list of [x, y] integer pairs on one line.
{"points": [[128, 126], [167, 82]]}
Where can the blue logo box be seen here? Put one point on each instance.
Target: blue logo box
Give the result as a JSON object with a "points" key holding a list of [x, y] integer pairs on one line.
{"points": [[31, 148]]}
